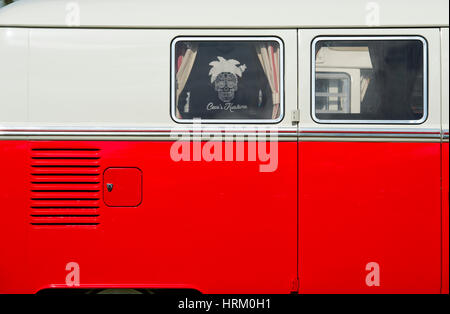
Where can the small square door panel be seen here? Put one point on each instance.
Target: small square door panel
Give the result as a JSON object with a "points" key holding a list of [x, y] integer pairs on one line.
{"points": [[122, 187]]}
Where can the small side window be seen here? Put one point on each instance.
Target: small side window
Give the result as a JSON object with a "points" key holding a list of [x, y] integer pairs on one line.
{"points": [[227, 79], [369, 80]]}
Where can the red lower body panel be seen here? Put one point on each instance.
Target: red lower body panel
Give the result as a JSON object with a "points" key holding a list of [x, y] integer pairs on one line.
{"points": [[445, 219], [218, 227], [14, 164], [364, 203], [224, 227]]}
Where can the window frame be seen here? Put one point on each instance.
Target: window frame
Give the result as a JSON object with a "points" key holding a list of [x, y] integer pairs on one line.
{"points": [[369, 38], [224, 38]]}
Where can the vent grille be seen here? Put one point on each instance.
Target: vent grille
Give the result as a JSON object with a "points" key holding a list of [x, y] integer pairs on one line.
{"points": [[65, 186]]}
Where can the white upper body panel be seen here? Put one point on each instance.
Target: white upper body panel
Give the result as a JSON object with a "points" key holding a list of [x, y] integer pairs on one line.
{"points": [[229, 14], [445, 79], [101, 78], [58, 78]]}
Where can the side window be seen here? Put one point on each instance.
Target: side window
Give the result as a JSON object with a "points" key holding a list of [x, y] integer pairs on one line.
{"points": [[227, 79], [369, 80]]}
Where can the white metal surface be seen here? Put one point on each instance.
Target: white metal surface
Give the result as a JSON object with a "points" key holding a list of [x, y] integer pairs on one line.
{"points": [[228, 14], [103, 79], [445, 79], [13, 75], [95, 80]]}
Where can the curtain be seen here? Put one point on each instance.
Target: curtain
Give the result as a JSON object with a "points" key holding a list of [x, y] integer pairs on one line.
{"points": [[269, 56], [364, 83], [185, 60]]}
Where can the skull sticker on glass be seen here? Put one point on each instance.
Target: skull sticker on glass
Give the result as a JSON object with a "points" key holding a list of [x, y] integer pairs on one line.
{"points": [[224, 74], [226, 85]]}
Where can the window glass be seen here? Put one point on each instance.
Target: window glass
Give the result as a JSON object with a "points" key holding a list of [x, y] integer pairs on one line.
{"points": [[226, 79], [332, 92], [369, 80]]}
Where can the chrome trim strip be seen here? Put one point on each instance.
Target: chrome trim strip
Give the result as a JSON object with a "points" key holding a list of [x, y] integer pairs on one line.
{"points": [[368, 38], [225, 38], [202, 127], [157, 135], [371, 135], [371, 129], [164, 128], [445, 135], [281, 133]]}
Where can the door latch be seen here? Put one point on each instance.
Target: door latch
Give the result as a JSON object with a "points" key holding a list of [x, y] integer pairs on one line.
{"points": [[295, 116]]}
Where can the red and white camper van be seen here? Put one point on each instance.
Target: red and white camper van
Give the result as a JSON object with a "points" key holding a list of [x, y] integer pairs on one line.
{"points": [[254, 147]]}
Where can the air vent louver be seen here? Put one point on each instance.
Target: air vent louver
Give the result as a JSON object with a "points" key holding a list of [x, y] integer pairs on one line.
{"points": [[65, 186]]}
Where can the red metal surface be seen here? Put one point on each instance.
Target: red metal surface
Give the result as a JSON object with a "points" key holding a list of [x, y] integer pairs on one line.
{"points": [[369, 202], [14, 212], [445, 218], [126, 187], [212, 226], [222, 227]]}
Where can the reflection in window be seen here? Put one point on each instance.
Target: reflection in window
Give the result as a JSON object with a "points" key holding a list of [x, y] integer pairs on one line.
{"points": [[333, 92], [5, 2], [369, 80], [224, 79]]}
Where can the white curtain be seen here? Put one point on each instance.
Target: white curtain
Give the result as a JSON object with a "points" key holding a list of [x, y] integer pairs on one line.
{"points": [[269, 56], [364, 81], [184, 69]]}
